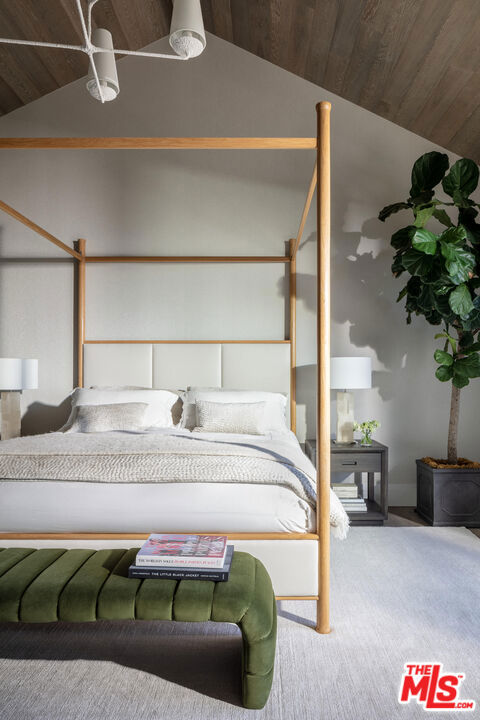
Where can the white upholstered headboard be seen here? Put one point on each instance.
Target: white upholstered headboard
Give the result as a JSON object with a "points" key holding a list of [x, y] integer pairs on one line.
{"points": [[175, 365]]}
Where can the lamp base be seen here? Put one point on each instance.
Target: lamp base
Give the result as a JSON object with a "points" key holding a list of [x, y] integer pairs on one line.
{"points": [[10, 424], [345, 418]]}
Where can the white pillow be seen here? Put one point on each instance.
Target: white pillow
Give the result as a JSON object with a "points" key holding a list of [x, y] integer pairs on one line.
{"points": [[243, 418], [158, 413], [104, 418], [274, 419]]}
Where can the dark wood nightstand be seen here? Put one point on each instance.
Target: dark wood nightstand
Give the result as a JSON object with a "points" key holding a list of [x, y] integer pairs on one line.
{"points": [[356, 459]]}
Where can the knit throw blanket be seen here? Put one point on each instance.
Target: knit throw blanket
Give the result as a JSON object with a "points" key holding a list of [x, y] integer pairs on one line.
{"points": [[152, 457]]}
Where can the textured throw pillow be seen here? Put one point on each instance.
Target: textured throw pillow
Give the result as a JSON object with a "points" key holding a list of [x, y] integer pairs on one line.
{"points": [[275, 412], [241, 418], [104, 418], [159, 403]]}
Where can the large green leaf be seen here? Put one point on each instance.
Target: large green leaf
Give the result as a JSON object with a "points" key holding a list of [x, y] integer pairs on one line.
{"points": [[458, 261], [433, 317], [417, 263], [443, 285], [414, 286], [443, 358], [397, 266], [468, 366], [460, 301], [427, 172], [402, 239], [390, 209], [442, 217], [460, 381], [444, 373], [455, 235], [425, 241], [466, 216], [442, 306], [423, 213], [426, 299], [461, 181]]}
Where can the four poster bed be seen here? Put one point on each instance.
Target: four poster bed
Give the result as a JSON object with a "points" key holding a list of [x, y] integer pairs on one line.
{"points": [[295, 551]]}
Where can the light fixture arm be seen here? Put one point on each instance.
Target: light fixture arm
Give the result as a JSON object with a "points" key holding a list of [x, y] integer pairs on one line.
{"points": [[89, 49], [95, 49], [91, 3]]}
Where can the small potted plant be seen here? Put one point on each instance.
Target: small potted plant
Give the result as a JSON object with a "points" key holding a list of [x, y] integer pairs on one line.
{"points": [[367, 428], [442, 268]]}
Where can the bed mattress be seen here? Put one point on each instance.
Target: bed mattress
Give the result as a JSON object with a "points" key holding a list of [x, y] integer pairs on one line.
{"points": [[56, 506]]}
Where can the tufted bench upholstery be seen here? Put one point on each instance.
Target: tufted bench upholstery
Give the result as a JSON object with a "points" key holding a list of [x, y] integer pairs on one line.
{"points": [[51, 585]]}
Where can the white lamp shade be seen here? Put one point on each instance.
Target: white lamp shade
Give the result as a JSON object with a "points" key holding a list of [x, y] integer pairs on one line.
{"points": [[187, 35], [18, 374], [350, 373]]}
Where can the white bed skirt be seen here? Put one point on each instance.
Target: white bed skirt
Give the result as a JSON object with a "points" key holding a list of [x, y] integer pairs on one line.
{"points": [[292, 564]]}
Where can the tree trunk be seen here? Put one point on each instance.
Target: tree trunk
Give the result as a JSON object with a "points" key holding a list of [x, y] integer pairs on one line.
{"points": [[453, 425]]}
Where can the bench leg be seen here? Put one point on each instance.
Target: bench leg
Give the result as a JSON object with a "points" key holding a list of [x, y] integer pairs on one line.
{"points": [[259, 654]]}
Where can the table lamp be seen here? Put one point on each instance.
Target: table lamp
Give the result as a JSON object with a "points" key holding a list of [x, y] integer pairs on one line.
{"points": [[16, 374], [354, 373]]}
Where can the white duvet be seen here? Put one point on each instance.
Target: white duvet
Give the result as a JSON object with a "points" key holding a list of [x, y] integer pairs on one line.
{"points": [[167, 456]]}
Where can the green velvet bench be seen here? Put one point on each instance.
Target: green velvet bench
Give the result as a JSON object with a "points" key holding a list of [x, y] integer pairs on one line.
{"points": [[51, 585]]}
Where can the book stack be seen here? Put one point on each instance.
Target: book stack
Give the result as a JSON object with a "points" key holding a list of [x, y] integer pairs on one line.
{"points": [[347, 493], [354, 505], [179, 557]]}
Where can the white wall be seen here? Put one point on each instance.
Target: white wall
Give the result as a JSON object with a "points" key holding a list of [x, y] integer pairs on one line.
{"points": [[188, 202]]}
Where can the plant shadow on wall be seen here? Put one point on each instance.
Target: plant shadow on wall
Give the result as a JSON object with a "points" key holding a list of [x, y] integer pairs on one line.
{"points": [[362, 296]]}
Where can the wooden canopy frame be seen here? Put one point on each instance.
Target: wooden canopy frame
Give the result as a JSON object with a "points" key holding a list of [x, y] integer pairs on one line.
{"points": [[320, 178]]}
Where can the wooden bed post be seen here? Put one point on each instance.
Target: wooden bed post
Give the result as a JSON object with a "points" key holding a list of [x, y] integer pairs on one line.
{"points": [[323, 365], [293, 336], [80, 246]]}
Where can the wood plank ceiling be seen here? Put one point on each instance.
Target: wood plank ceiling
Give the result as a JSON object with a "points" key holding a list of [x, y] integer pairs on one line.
{"points": [[415, 62]]}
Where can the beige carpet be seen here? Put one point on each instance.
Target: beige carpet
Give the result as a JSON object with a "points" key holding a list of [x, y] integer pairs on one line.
{"points": [[399, 594]]}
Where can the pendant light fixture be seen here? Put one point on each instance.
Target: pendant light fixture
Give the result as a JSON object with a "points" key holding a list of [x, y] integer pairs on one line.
{"points": [[187, 39], [106, 67], [187, 36]]}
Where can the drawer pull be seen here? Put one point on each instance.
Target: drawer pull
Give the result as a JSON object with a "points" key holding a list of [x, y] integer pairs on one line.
{"points": [[349, 462]]}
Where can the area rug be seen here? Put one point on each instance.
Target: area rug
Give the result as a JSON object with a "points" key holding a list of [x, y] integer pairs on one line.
{"points": [[399, 594]]}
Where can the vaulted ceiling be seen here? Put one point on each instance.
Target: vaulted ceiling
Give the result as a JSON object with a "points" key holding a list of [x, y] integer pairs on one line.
{"points": [[415, 62]]}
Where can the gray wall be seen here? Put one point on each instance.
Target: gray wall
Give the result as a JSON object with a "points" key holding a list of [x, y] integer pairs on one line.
{"points": [[141, 202]]}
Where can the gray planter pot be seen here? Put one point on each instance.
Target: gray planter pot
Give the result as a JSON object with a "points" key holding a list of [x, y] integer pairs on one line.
{"points": [[448, 497]]}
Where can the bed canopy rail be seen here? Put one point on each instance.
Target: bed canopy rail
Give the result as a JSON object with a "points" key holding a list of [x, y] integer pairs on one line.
{"points": [[320, 181], [166, 143]]}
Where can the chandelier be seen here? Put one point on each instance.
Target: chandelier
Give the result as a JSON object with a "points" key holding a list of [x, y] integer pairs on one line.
{"points": [[187, 39]]}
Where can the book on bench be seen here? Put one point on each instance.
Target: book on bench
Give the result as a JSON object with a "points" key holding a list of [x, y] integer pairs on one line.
{"points": [[192, 551], [184, 573]]}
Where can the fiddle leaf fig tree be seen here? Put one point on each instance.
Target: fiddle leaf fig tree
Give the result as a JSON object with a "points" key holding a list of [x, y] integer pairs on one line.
{"points": [[442, 268]]}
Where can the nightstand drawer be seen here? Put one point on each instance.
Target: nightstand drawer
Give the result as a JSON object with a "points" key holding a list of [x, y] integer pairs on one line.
{"points": [[356, 462]]}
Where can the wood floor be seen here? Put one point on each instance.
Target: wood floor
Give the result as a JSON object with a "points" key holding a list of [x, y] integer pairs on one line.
{"points": [[408, 516]]}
